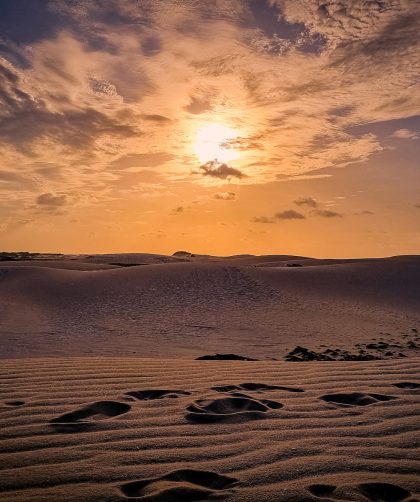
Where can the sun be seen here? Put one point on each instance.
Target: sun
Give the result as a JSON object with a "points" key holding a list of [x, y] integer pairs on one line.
{"points": [[212, 143]]}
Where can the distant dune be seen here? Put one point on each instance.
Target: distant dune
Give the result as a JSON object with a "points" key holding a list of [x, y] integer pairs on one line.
{"points": [[154, 305]]}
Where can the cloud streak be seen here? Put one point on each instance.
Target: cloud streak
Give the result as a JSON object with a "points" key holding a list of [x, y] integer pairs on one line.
{"points": [[290, 214], [306, 201], [225, 196]]}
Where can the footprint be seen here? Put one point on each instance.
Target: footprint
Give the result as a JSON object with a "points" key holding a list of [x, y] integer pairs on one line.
{"points": [[88, 415], [14, 403], [383, 492], [355, 398], [230, 409], [147, 395], [321, 490], [180, 486], [375, 492], [257, 387], [407, 385]]}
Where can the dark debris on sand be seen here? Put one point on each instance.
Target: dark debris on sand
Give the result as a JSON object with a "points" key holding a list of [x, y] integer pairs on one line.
{"points": [[303, 354], [224, 357], [376, 350]]}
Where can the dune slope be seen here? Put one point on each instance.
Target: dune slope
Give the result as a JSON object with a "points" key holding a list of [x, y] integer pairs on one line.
{"points": [[188, 309]]}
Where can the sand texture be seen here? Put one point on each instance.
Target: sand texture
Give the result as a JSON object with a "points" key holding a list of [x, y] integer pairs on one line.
{"points": [[115, 429]]}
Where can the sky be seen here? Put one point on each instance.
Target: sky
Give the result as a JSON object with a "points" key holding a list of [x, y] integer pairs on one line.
{"points": [[222, 127]]}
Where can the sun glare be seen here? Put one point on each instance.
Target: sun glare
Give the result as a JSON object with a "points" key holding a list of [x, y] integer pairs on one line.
{"points": [[212, 143]]}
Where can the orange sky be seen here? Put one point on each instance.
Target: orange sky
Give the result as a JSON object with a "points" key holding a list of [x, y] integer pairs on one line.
{"points": [[234, 126]]}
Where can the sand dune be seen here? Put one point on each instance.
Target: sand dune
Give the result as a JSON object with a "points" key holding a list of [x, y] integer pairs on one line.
{"points": [[133, 416], [105, 429], [203, 306]]}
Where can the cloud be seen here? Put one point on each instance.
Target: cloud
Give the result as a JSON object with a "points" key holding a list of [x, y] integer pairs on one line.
{"points": [[50, 200], [306, 201], [142, 160], [327, 213], [198, 106], [116, 86], [244, 144], [290, 214], [346, 20], [405, 134], [160, 119], [10, 180], [220, 170], [263, 219], [177, 210], [225, 196], [364, 213], [77, 127]]}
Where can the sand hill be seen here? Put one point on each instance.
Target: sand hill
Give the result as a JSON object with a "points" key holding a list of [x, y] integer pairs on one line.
{"points": [[102, 400]]}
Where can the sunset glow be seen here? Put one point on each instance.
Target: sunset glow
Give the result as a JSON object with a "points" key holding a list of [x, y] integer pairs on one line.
{"points": [[212, 143], [229, 126]]}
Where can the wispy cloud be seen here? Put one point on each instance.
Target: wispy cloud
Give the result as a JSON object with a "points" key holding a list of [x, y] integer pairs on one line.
{"points": [[48, 199], [306, 201], [290, 214], [177, 210], [405, 134], [263, 219], [327, 213], [225, 195]]}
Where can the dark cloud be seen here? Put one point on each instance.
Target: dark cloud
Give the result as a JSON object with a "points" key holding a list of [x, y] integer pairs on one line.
{"points": [[220, 170], [160, 119], [263, 219], [290, 214], [50, 200], [151, 46], [344, 21], [78, 127], [225, 196], [398, 35], [306, 201], [177, 210], [327, 213]]}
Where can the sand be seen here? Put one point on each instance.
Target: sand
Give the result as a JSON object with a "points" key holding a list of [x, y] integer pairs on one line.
{"points": [[80, 429], [102, 398], [169, 307]]}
